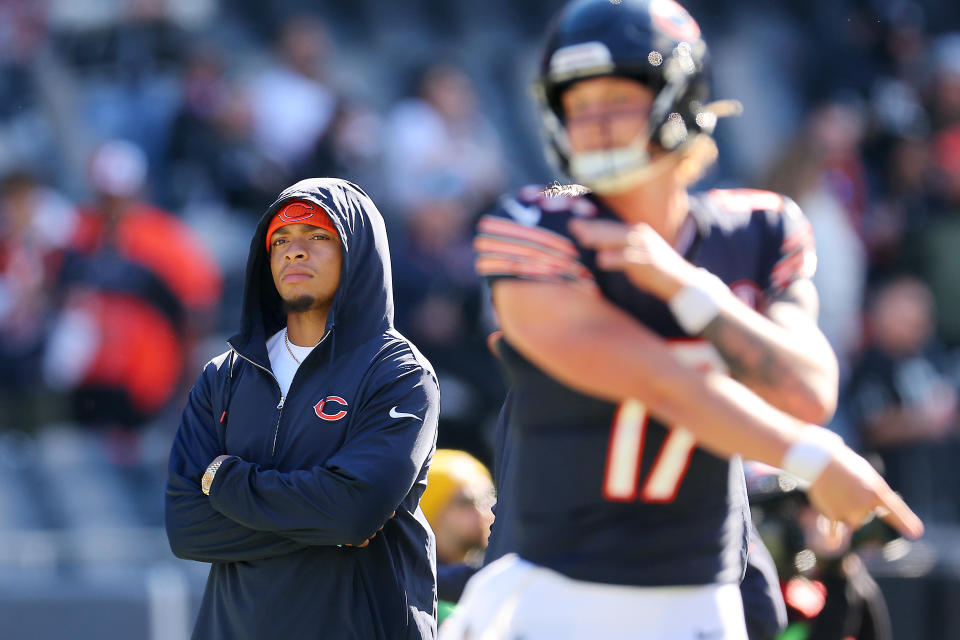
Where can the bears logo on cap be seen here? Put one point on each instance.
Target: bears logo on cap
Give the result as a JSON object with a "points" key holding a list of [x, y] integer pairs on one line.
{"points": [[300, 212], [289, 212]]}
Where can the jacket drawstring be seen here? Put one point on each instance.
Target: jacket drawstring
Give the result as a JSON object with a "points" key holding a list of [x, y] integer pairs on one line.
{"points": [[226, 409], [333, 342]]}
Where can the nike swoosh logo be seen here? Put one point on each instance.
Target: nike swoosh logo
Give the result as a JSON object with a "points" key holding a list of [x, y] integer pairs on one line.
{"points": [[527, 215], [396, 414]]}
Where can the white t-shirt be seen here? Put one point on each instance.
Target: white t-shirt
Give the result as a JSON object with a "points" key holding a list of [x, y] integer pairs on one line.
{"points": [[283, 365]]}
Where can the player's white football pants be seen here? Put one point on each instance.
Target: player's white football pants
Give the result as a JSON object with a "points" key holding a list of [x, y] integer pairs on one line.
{"points": [[513, 599]]}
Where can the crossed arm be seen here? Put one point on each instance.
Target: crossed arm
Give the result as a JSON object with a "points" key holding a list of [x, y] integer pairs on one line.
{"points": [[195, 530], [256, 513], [780, 354]]}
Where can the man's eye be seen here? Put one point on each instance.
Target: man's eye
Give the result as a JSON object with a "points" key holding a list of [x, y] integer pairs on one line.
{"points": [[278, 242]]}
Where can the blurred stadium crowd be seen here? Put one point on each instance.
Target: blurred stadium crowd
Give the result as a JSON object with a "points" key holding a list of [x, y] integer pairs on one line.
{"points": [[140, 140]]}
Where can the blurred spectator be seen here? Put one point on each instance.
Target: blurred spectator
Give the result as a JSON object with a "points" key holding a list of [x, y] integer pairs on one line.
{"points": [[291, 103], [822, 172], [444, 164], [903, 208], [27, 128], [440, 147], [945, 98], [946, 159], [458, 505], [934, 246], [126, 65], [136, 283], [439, 305], [36, 224], [906, 400], [836, 130], [351, 147], [212, 155]]}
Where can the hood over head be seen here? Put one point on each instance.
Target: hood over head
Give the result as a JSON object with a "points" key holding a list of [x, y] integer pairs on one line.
{"points": [[363, 305]]}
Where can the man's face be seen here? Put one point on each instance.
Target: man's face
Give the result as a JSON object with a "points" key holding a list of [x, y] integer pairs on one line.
{"points": [[605, 112], [464, 524], [305, 262]]}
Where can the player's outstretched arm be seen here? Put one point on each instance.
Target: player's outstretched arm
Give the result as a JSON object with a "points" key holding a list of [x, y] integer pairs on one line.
{"points": [[593, 346], [782, 355]]}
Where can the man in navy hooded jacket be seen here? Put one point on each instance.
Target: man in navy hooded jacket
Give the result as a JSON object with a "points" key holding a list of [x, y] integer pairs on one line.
{"points": [[303, 451]]}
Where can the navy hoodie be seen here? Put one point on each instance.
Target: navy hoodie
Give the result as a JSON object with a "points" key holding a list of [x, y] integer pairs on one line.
{"points": [[302, 486]]}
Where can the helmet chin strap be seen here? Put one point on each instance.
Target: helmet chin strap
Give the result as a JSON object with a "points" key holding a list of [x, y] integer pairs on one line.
{"points": [[614, 171]]}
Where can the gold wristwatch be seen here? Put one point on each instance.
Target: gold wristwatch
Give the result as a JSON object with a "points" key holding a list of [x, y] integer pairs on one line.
{"points": [[207, 480]]}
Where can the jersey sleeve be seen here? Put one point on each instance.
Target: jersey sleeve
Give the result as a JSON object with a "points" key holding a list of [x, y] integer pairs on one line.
{"points": [[525, 238], [792, 252]]}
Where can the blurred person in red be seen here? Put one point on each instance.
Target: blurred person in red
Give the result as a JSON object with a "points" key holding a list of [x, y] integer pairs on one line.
{"points": [[138, 288], [946, 161], [37, 223], [905, 399]]}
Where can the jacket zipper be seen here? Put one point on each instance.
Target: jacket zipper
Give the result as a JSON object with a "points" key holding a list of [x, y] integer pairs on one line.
{"points": [[283, 398], [276, 432]]}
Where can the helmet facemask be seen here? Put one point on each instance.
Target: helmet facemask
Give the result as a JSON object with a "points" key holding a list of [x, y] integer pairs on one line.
{"points": [[677, 102]]}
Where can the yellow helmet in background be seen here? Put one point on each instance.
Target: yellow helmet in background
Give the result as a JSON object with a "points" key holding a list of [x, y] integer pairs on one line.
{"points": [[450, 471]]}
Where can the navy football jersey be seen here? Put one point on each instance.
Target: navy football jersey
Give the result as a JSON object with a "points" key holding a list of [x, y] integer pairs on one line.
{"points": [[601, 491]]}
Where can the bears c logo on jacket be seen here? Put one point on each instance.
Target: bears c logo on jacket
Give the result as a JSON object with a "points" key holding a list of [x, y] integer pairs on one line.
{"points": [[330, 417]]}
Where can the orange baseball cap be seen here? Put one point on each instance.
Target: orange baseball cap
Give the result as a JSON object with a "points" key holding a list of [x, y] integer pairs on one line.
{"points": [[300, 212]]}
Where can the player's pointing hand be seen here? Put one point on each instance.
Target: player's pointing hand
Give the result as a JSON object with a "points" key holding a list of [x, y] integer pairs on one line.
{"points": [[849, 490]]}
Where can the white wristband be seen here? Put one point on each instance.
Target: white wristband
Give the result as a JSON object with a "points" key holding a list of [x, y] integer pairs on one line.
{"points": [[696, 305], [811, 453]]}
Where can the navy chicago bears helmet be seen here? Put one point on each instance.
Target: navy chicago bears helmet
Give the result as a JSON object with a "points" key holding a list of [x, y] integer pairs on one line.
{"points": [[655, 42]]}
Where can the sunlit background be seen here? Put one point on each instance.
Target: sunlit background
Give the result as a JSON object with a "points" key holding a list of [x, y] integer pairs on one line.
{"points": [[140, 140]]}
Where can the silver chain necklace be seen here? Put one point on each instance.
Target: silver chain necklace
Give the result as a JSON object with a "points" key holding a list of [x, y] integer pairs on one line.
{"points": [[286, 341]]}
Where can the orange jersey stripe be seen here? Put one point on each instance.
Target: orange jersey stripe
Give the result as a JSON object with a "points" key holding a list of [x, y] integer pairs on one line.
{"points": [[496, 248], [494, 265], [484, 243], [549, 239]]}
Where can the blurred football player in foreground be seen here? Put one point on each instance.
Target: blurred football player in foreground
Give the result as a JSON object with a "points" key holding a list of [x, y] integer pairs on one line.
{"points": [[652, 337]]}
